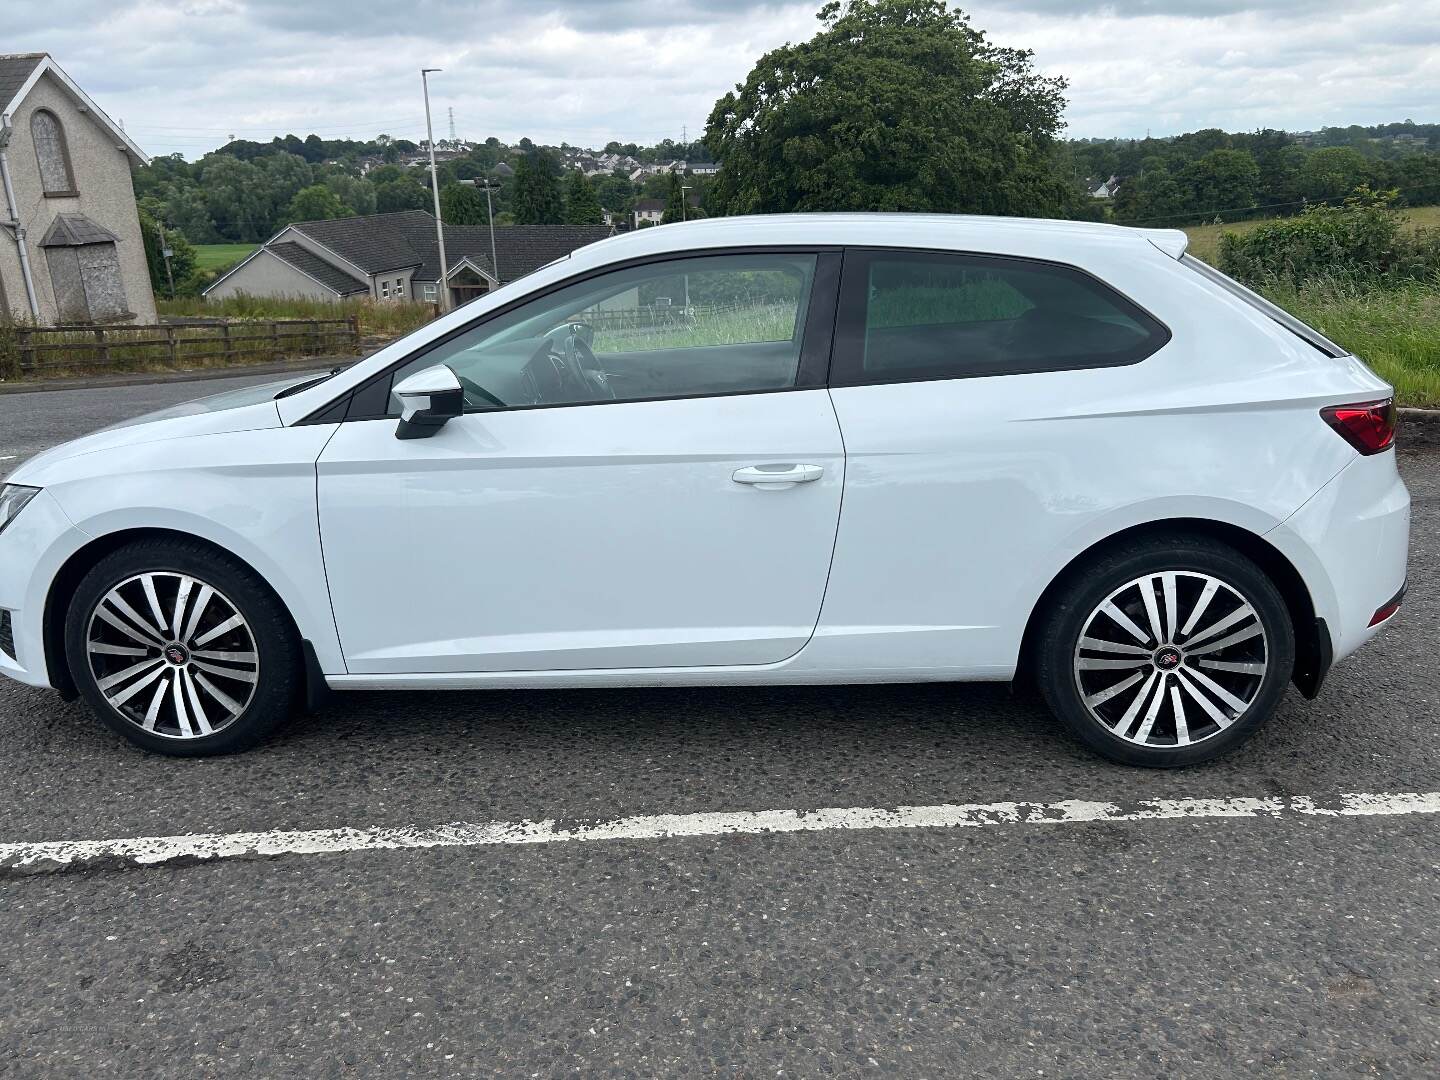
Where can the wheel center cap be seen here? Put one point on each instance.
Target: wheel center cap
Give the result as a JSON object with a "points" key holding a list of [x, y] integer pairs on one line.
{"points": [[176, 654], [1167, 659]]}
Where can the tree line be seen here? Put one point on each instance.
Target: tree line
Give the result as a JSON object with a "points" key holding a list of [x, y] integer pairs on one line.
{"points": [[892, 105]]}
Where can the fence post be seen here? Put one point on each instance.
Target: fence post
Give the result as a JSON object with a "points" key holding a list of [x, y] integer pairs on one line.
{"points": [[170, 345], [354, 321], [26, 344], [227, 355], [104, 348], [274, 341]]}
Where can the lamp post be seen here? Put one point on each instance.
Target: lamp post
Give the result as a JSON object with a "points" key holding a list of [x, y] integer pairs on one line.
{"points": [[488, 187], [444, 292], [684, 202]]}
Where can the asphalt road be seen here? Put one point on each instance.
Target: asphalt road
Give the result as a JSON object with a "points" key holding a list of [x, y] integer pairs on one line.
{"points": [[1279, 946]]}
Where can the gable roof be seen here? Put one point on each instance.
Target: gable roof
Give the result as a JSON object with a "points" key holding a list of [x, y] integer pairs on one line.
{"points": [[75, 230], [312, 265], [19, 72], [376, 242], [520, 249]]}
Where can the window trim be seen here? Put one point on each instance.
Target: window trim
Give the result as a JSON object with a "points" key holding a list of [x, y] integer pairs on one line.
{"points": [[848, 364], [73, 191], [816, 336]]}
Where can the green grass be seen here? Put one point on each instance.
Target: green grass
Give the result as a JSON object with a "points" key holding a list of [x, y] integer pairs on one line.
{"points": [[389, 320], [736, 327], [1396, 331], [220, 256], [1205, 239]]}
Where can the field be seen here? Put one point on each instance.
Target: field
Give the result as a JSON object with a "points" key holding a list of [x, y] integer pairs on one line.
{"points": [[220, 256], [388, 320], [1205, 239], [1394, 330]]}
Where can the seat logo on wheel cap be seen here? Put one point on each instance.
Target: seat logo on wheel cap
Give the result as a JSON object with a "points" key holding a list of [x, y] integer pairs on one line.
{"points": [[1166, 659]]}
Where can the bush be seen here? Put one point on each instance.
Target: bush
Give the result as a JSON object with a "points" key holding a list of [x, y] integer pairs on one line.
{"points": [[386, 319], [1362, 241]]}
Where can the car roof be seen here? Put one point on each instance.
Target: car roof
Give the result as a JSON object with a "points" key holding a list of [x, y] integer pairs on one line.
{"points": [[958, 232]]}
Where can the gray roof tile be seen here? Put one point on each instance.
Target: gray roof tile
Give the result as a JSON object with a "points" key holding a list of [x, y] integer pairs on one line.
{"points": [[15, 68], [380, 242], [307, 262], [73, 230]]}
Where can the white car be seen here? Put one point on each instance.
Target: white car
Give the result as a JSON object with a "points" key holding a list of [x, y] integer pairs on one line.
{"points": [[798, 449]]}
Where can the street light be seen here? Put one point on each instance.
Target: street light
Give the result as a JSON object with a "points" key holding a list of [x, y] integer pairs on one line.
{"points": [[488, 187], [444, 295], [684, 202]]}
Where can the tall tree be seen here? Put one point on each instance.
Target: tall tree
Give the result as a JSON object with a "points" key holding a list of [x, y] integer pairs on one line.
{"points": [[461, 204], [674, 201], [315, 203], [581, 205], [894, 105], [536, 197], [406, 194]]}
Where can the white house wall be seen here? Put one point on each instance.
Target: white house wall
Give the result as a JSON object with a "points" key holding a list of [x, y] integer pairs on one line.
{"points": [[106, 196], [268, 275]]}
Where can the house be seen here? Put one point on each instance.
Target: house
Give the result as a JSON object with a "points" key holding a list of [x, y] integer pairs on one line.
{"points": [[1107, 189], [70, 244], [395, 257], [705, 168], [649, 210]]}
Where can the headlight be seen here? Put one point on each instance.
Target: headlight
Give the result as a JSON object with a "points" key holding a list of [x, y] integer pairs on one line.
{"points": [[13, 498]]}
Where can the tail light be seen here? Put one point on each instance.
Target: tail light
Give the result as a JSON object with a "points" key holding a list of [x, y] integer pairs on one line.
{"points": [[1369, 426]]}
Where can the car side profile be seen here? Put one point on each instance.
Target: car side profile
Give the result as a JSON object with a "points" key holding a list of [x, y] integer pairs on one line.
{"points": [[793, 449]]}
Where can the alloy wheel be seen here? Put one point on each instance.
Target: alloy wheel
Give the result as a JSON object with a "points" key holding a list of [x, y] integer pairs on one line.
{"points": [[173, 655], [1171, 659]]}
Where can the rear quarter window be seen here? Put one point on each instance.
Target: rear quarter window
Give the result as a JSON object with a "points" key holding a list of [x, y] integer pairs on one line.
{"points": [[918, 315]]}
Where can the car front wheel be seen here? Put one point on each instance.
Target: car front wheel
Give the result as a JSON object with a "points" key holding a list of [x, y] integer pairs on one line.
{"points": [[1167, 651], [181, 649]]}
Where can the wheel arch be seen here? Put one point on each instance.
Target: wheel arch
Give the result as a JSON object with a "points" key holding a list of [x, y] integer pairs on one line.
{"points": [[1313, 647], [67, 579]]}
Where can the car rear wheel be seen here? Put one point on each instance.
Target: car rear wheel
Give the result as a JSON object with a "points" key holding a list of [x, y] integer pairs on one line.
{"points": [[181, 649], [1167, 651]]}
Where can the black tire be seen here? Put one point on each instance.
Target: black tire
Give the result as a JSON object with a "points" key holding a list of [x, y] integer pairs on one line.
{"points": [[1058, 650], [279, 676]]}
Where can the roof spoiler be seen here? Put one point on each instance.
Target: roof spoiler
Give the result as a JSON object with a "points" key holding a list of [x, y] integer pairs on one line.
{"points": [[1172, 242]]}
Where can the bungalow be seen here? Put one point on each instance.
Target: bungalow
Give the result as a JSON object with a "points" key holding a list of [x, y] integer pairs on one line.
{"points": [[395, 257]]}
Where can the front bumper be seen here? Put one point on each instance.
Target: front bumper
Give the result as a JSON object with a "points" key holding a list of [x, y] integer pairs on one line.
{"points": [[1350, 543], [32, 549]]}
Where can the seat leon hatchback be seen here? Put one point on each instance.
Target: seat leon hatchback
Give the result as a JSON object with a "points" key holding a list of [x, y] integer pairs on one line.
{"points": [[795, 449]]}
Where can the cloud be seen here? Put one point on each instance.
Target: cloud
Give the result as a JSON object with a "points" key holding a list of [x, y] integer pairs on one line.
{"points": [[185, 74]]}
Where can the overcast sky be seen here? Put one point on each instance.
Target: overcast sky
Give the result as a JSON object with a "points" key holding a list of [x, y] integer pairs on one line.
{"points": [[184, 75]]}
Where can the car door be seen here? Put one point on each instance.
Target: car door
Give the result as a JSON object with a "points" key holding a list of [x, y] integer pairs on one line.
{"points": [[647, 475]]}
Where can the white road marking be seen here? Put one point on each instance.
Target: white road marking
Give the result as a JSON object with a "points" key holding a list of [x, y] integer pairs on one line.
{"points": [[151, 850], [8, 457]]}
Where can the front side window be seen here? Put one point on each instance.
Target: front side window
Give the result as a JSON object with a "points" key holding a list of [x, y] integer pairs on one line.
{"points": [[720, 324], [917, 315], [51, 153]]}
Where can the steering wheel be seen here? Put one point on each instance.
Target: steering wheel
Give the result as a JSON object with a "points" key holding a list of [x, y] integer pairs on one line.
{"points": [[583, 357], [568, 370]]}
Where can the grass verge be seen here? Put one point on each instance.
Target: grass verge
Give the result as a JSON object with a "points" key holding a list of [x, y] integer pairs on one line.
{"points": [[1395, 330]]}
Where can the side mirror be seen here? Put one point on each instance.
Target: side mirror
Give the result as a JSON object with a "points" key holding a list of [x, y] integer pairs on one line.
{"points": [[427, 400]]}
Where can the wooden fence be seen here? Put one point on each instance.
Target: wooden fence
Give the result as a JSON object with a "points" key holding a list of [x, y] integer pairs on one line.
{"points": [[190, 342]]}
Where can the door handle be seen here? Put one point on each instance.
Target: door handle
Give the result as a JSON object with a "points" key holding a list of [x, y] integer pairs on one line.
{"points": [[778, 476]]}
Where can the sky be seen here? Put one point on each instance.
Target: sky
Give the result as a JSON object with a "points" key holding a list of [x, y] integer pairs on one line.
{"points": [[185, 75]]}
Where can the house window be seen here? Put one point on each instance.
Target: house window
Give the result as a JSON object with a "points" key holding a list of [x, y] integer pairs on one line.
{"points": [[385, 289], [52, 154], [429, 292], [399, 288]]}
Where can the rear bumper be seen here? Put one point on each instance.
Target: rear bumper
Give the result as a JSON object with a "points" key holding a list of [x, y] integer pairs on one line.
{"points": [[1350, 543]]}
